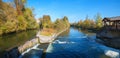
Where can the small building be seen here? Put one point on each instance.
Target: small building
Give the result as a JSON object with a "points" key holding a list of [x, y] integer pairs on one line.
{"points": [[112, 23]]}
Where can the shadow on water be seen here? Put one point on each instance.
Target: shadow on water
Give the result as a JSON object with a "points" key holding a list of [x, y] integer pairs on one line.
{"points": [[13, 53], [110, 38], [65, 33], [11, 42], [36, 53], [114, 43]]}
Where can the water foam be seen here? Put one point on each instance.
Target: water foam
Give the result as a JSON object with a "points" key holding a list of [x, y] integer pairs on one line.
{"points": [[62, 42], [34, 47], [112, 54], [50, 48], [75, 37]]}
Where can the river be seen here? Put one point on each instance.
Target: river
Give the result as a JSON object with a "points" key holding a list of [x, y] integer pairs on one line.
{"points": [[9, 41], [74, 43]]}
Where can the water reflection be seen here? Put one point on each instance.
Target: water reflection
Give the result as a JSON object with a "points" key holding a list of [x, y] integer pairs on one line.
{"points": [[115, 43], [12, 40], [66, 33]]}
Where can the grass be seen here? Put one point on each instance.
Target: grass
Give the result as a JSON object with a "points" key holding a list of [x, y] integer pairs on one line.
{"points": [[47, 31]]}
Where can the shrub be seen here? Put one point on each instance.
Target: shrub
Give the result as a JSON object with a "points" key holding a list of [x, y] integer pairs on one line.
{"points": [[21, 24]]}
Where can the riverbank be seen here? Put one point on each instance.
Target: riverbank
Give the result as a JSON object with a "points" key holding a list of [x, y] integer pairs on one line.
{"points": [[17, 51], [95, 30], [108, 34], [49, 39]]}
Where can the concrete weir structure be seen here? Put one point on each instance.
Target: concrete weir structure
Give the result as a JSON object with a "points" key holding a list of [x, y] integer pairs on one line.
{"points": [[17, 51]]}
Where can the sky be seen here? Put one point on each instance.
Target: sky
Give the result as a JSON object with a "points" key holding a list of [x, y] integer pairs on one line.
{"points": [[75, 10]]}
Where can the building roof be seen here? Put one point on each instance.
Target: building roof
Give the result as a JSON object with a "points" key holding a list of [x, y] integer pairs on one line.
{"points": [[112, 18]]}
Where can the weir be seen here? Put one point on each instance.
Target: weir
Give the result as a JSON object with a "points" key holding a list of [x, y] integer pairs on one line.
{"points": [[31, 44]]}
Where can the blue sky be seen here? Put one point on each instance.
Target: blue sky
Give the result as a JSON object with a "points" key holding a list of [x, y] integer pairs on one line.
{"points": [[75, 10]]}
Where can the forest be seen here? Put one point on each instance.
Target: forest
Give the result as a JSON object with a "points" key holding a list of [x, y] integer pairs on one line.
{"points": [[48, 27], [88, 23], [20, 18], [16, 17]]}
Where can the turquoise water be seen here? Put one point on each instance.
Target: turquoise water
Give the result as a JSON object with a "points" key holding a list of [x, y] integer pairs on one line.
{"points": [[73, 43]]}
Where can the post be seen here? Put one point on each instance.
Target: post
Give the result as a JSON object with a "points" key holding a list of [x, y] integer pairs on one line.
{"points": [[116, 26]]}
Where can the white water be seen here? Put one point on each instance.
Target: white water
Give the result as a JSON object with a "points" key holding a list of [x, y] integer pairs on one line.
{"points": [[85, 47], [34, 47], [50, 48], [62, 42], [74, 37], [112, 54]]}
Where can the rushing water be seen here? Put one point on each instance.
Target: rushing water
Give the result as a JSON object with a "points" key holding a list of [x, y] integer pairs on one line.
{"points": [[73, 43], [10, 41]]}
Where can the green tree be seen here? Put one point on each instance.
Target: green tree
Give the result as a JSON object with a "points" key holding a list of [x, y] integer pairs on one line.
{"points": [[61, 24], [65, 19], [21, 24], [16, 18], [20, 6], [98, 21], [29, 17], [46, 22], [80, 23]]}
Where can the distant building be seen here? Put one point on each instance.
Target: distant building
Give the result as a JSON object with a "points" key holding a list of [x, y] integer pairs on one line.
{"points": [[112, 23], [37, 20]]}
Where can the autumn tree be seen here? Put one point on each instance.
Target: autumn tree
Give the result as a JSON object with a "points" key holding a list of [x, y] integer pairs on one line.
{"points": [[65, 19], [20, 6], [14, 19], [61, 24], [46, 22], [98, 21]]}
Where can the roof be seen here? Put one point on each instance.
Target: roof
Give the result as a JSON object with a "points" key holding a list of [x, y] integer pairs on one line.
{"points": [[112, 18]]}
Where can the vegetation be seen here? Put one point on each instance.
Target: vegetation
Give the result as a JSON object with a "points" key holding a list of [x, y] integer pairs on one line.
{"points": [[49, 27], [46, 22], [47, 31], [61, 24], [17, 18], [98, 21], [89, 23]]}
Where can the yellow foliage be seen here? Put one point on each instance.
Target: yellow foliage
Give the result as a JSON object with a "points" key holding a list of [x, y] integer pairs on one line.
{"points": [[22, 24], [48, 31]]}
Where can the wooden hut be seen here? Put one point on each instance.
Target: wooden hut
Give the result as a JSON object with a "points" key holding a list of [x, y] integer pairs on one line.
{"points": [[112, 23]]}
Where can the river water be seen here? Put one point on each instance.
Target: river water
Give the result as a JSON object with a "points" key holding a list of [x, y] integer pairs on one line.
{"points": [[9, 41], [74, 43]]}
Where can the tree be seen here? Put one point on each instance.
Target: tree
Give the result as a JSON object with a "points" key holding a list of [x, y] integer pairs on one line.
{"points": [[22, 24], [98, 21], [46, 22], [80, 23], [65, 19], [12, 20], [31, 22], [20, 6], [61, 24]]}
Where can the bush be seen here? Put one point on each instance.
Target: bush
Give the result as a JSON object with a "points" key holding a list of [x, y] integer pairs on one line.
{"points": [[21, 24], [46, 22], [14, 19], [31, 22], [61, 24], [1, 31]]}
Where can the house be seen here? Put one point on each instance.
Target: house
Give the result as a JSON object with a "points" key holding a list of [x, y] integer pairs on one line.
{"points": [[112, 23]]}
